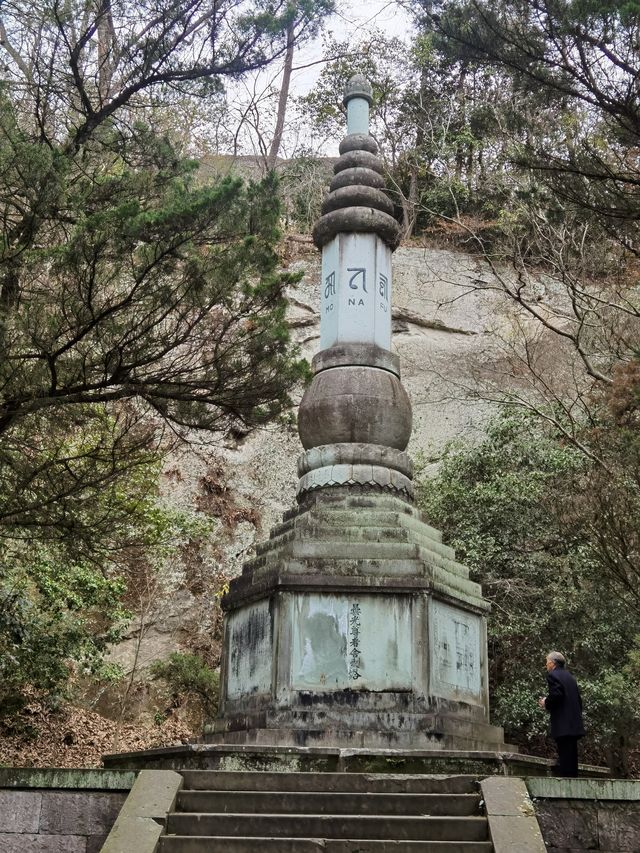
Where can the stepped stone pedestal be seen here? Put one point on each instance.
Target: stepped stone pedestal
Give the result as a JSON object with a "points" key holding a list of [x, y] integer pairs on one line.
{"points": [[355, 626]]}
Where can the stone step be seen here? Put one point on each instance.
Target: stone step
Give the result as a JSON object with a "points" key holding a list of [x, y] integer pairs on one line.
{"points": [[333, 549], [293, 802], [375, 783], [376, 558], [360, 549], [377, 520], [350, 739], [212, 844], [337, 549], [326, 715], [380, 520], [373, 502], [283, 563], [375, 827], [364, 535]]}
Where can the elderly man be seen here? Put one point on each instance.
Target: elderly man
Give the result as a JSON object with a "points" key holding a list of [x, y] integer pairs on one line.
{"points": [[565, 711]]}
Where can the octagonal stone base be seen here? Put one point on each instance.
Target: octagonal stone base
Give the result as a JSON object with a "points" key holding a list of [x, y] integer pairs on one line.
{"points": [[355, 627]]}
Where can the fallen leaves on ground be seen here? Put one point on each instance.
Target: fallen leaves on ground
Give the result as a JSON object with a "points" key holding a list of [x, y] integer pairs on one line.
{"points": [[77, 737]]}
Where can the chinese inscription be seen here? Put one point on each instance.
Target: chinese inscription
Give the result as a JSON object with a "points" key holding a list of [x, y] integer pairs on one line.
{"points": [[465, 659], [354, 641], [456, 639]]}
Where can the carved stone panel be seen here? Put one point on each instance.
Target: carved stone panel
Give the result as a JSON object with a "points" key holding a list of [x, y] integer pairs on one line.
{"points": [[250, 650], [358, 642], [456, 657]]}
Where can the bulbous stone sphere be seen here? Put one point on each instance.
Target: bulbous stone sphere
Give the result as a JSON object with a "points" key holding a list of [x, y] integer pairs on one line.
{"points": [[355, 404]]}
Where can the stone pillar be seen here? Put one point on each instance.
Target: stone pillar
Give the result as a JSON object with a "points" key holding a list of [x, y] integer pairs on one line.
{"points": [[354, 626], [355, 418]]}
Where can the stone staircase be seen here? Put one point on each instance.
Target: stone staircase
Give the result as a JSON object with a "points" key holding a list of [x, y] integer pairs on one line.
{"points": [[241, 812]]}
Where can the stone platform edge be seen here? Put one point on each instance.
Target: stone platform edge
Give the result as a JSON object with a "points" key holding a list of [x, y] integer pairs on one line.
{"points": [[318, 759], [584, 789], [587, 814], [63, 778]]}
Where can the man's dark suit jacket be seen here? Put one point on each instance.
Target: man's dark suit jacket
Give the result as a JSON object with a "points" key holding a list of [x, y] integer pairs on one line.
{"points": [[564, 704]]}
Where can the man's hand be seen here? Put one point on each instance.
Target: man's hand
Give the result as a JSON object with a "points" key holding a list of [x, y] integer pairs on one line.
{"points": [[541, 702]]}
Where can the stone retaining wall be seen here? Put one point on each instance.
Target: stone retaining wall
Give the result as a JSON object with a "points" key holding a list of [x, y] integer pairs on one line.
{"points": [[59, 811], [577, 815]]}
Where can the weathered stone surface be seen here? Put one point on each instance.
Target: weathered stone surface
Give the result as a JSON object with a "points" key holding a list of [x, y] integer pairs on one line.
{"points": [[619, 827], [355, 453], [313, 760], [366, 220], [353, 176], [457, 641], [355, 404], [79, 813], [510, 833], [346, 783], [333, 637], [512, 821], [349, 354], [507, 796], [373, 476], [331, 826], [358, 87], [562, 825], [27, 777], [358, 142], [584, 789], [43, 843], [602, 813], [251, 650], [20, 811], [355, 159], [353, 196], [140, 822]]}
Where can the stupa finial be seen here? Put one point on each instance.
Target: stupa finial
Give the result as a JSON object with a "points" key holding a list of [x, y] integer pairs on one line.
{"points": [[355, 418]]}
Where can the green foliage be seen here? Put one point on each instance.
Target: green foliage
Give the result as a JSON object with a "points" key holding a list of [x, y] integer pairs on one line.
{"points": [[303, 182], [132, 297], [188, 674], [79, 520], [511, 506], [569, 111], [56, 620]]}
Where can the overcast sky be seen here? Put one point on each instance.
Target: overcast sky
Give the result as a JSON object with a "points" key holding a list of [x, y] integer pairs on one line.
{"points": [[352, 18]]}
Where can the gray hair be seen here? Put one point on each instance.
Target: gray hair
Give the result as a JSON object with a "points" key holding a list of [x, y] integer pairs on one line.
{"points": [[557, 658]]}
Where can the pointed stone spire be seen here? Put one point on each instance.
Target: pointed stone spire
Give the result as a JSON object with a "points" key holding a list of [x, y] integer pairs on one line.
{"points": [[355, 418], [356, 202]]}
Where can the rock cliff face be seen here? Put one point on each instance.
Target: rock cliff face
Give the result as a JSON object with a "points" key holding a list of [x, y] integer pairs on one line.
{"points": [[447, 322]]}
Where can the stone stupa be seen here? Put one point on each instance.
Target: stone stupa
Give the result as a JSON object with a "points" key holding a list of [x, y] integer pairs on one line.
{"points": [[354, 626]]}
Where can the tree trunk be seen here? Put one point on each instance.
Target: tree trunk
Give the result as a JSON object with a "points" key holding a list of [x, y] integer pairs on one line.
{"points": [[272, 156], [106, 46], [410, 204]]}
